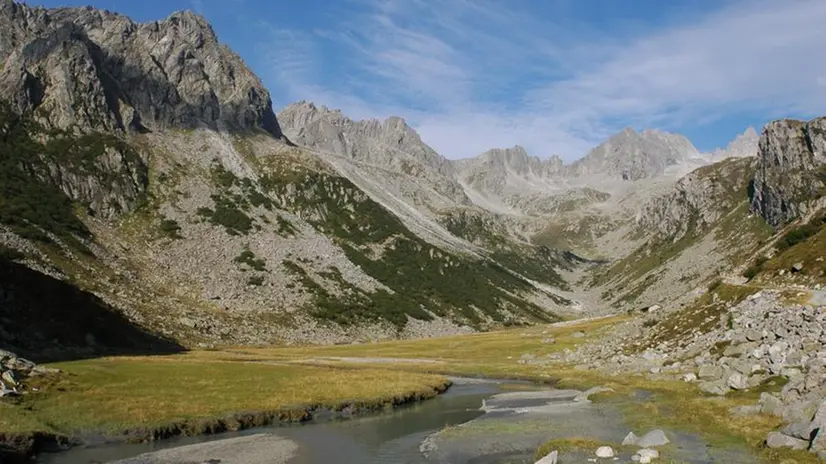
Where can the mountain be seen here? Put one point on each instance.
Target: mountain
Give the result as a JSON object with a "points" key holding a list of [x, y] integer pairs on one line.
{"points": [[142, 165], [144, 171]]}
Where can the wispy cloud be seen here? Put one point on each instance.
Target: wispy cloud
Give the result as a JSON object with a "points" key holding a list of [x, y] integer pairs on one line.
{"points": [[471, 75]]}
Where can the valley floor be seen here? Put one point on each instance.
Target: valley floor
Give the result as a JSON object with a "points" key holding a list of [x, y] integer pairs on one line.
{"points": [[209, 391]]}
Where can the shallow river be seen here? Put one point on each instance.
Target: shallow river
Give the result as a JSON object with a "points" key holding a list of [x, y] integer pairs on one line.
{"points": [[506, 431]]}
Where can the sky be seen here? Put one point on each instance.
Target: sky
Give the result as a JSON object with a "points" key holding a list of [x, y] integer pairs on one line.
{"points": [[554, 76]]}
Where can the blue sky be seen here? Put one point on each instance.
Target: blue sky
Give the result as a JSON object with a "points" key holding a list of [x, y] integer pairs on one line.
{"points": [[555, 76]]}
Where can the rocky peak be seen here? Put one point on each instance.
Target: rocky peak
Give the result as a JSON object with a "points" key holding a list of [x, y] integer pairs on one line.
{"points": [[88, 69], [389, 144], [631, 155], [743, 145], [791, 173]]}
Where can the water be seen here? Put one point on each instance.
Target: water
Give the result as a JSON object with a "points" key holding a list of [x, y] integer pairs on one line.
{"points": [[515, 425], [387, 438]]}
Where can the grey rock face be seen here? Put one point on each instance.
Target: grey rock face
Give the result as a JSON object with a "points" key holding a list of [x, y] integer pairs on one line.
{"points": [[390, 144], [791, 169], [86, 69], [653, 439], [699, 199]]}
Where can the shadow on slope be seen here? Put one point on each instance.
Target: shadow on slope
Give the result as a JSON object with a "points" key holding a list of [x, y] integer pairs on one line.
{"points": [[46, 319]]}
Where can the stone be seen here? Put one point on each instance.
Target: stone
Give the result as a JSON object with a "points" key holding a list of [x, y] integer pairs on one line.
{"points": [[690, 377], [648, 452], [710, 372], [797, 267], [801, 430], [605, 452], [718, 387], [753, 335], [652, 439], [550, 458], [9, 378], [780, 440], [578, 334], [737, 381], [630, 439]]}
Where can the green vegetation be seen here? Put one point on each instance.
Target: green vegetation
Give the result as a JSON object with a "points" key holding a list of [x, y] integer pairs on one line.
{"points": [[420, 274], [800, 234], [226, 213], [248, 257], [28, 203], [755, 267], [285, 227], [255, 281], [170, 228]]}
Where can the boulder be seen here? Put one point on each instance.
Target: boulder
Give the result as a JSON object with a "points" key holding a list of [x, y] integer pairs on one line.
{"points": [[653, 438], [710, 372], [578, 334], [690, 377], [718, 387], [780, 440], [605, 452], [737, 381], [9, 378]]}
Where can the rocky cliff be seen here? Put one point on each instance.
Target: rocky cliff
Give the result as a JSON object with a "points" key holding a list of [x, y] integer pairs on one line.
{"points": [[791, 170], [87, 69]]}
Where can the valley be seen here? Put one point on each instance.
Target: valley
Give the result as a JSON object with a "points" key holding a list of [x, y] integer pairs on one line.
{"points": [[178, 259]]}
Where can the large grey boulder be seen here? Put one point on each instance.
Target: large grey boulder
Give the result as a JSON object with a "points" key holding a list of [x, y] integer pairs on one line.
{"points": [[653, 439], [780, 440]]}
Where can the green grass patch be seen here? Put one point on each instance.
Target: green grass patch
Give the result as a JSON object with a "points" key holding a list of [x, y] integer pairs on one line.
{"points": [[248, 257]]}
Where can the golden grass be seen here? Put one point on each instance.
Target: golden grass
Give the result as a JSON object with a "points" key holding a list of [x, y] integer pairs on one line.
{"points": [[118, 393]]}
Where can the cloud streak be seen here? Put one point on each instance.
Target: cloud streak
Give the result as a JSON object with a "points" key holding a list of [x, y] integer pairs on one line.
{"points": [[471, 75]]}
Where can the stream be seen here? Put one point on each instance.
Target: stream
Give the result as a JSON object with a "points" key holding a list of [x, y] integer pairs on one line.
{"points": [[474, 422]]}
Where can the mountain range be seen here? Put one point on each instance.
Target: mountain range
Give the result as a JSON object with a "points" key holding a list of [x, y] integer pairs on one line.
{"points": [[144, 168]]}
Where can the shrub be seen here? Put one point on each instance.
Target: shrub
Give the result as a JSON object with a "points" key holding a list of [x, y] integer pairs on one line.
{"points": [[755, 268], [248, 257], [170, 228], [255, 281], [10, 254]]}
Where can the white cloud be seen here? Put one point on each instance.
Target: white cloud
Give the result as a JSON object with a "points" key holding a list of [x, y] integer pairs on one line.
{"points": [[471, 75]]}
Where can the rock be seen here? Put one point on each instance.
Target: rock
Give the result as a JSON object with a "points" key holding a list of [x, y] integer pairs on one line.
{"points": [[587, 393], [737, 381], [549, 340], [649, 453], [818, 424], [800, 430], [9, 378], [710, 372], [779, 440], [550, 458], [753, 335], [718, 387], [5, 392], [797, 267], [653, 438], [578, 334], [605, 452], [630, 439], [690, 377]]}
